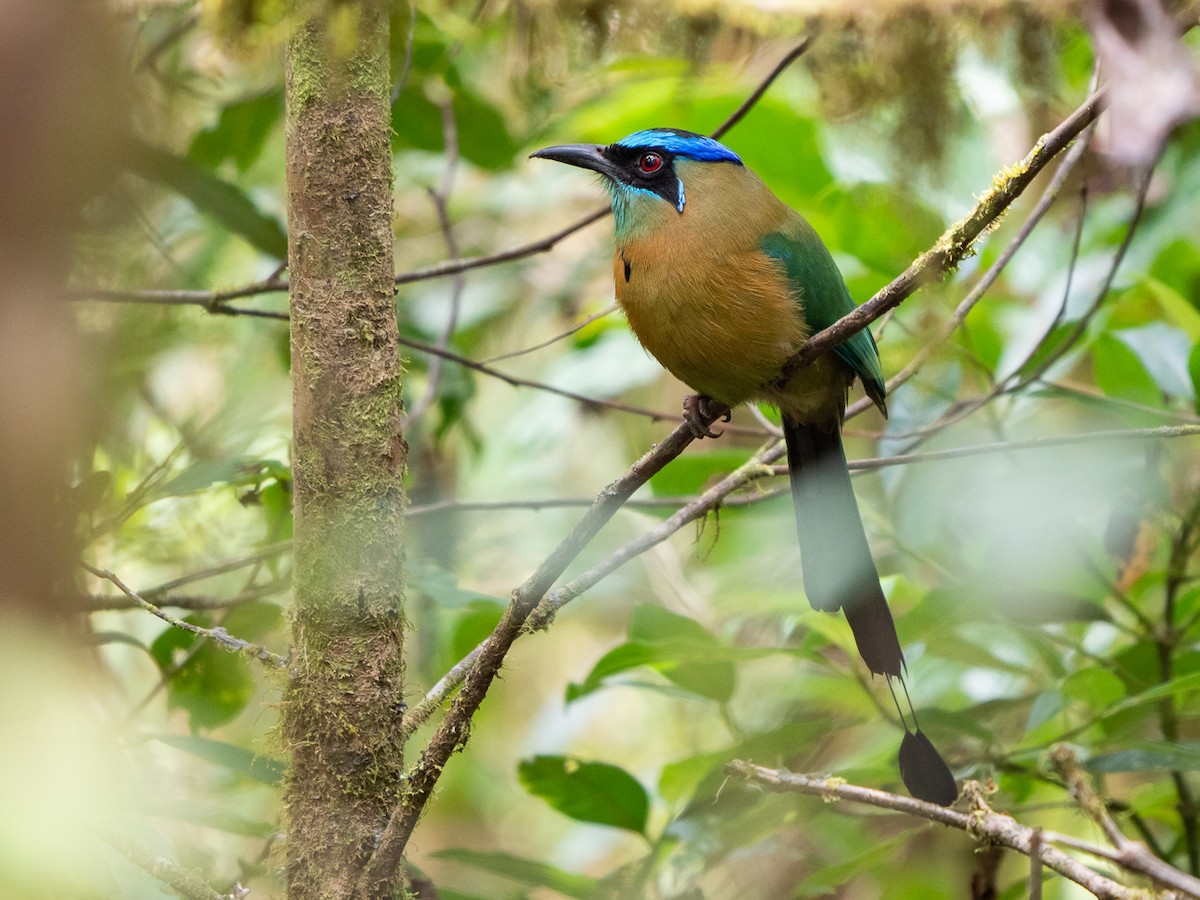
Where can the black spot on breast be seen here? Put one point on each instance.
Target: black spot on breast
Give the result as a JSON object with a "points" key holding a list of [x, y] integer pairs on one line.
{"points": [[628, 268]]}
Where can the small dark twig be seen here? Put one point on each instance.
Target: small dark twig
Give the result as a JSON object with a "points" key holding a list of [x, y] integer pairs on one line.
{"points": [[441, 202], [219, 635], [740, 113], [1132, 855]]}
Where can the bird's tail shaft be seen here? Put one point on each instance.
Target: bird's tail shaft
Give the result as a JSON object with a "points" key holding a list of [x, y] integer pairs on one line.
{"points": [[839, 572]]}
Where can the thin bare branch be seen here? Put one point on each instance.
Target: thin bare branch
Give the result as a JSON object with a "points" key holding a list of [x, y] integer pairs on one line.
{"points": [[516, 381], [186, 883], [574, 329], [213, 301], [441, 202], [1115, 434], [219, 635], [740, 113], [1131, 855], [548, 243], [221, 568], [957, 242], [193, 602], [453, 731], [981, 822], [1049, 195]]}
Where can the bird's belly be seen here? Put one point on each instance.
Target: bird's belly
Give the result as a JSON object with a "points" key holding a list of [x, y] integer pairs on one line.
{"points": [[724, 329]]}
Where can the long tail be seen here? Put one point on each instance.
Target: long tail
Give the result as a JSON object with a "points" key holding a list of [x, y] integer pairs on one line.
{"points": [[839, 572]]}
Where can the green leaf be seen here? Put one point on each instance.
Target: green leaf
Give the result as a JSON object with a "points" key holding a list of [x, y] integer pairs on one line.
{"points": [[691, 473], [482, 129], [228, 756], [523, 871], [1163, 352], [1182, 756], [213, 685], [225, 202], [442, 586], [678, 648], [477, 621], [653, 623], [1099, 688], [619, 659], [239, 132], [1120, 373], [1046, 706], [1183, 684], [587, 791]]}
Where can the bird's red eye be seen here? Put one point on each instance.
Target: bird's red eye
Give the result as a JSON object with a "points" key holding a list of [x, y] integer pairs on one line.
{"points": [[650, 163]]}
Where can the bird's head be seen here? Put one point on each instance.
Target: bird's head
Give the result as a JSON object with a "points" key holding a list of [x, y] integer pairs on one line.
{"points": [[646, 172]]}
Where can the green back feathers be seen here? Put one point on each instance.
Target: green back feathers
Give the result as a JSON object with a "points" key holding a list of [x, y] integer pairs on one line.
{"points": [[815, 278]]}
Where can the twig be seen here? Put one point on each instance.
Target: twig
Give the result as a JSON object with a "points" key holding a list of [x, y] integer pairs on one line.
{"points": [[740, 113], [454, 729], [1053, 189], [1115, 434], [409, 41], [542, 245], [981, 822], [213, 301], [1131, 854], [548, 243], [516, 381], [1101, 293], [195, 603], [674, 502], [441, 202], [185, 882], [222, 568], [956, 243], [577, 327], [220, 635], [173, 34], [754, 468]]}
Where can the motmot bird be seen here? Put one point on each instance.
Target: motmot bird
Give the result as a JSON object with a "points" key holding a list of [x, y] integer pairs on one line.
{"points": [[722, 282]]}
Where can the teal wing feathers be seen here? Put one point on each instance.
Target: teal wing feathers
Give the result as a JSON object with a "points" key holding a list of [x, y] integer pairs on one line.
{"points": [[820, 288]]}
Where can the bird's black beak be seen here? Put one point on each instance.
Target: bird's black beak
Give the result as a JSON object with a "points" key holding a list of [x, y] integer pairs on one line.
{"points": [[585, 156]]}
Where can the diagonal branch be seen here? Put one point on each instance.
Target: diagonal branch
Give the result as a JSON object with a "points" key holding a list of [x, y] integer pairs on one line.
{"points": [[1131, 854], [981, 821], [219, 635], [454, 730], [958, 242]]}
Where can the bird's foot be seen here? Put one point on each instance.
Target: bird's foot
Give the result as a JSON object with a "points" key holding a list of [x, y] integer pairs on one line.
{"points": [[699, 410]]}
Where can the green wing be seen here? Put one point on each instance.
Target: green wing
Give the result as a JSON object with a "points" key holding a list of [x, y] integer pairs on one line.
{"points": [[825, 298]]}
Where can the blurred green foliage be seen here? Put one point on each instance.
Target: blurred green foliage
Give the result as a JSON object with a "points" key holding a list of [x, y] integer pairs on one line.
{"points": [[595, 764]]}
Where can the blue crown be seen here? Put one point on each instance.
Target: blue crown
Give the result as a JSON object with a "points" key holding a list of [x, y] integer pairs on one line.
{"points": [[681, 143]]}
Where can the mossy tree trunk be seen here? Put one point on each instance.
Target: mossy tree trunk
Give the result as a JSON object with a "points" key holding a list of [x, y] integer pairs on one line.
{"points": [[342, 708]]}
